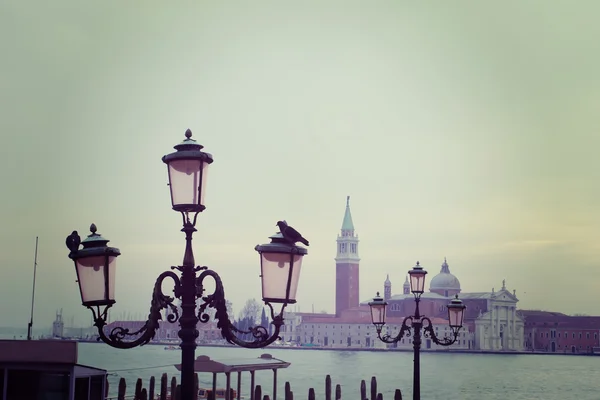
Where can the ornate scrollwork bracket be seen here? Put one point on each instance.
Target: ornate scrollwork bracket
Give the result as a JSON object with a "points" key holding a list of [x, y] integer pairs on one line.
{"points": [[405, 330], [123, 338], [429, 332], [216, 300]]}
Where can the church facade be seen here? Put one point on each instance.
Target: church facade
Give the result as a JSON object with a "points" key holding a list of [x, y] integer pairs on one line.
{"points": [[499, 327]]}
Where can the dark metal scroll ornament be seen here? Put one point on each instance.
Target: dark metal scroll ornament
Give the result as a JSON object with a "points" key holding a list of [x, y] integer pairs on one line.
{"points": [[217, 301], [405, 330], [123, 338], [188, 288], [428, 332]]}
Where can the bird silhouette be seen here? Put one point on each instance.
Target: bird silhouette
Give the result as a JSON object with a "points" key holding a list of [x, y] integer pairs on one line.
{"points": [[73, 241], [290, 234]]}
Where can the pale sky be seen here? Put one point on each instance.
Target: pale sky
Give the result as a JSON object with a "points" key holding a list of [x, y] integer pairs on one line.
{"points": [[461, 131]]}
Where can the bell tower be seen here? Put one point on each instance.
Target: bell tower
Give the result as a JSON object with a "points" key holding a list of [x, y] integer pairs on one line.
{"points": [[406, 286], [346, 265], [387, 288]]}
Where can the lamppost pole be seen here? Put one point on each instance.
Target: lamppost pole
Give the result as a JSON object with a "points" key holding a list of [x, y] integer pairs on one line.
{"points": [[418, 323], [95, 265], [417, 352], [188, 332]]}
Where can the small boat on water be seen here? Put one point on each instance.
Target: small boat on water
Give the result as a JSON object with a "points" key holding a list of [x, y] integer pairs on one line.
{"points": [[171, 347], [206, 394], [220, 394]]}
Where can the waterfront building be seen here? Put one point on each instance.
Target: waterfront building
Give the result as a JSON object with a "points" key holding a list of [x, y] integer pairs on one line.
{"points": [[358, 331], [559, 333]]}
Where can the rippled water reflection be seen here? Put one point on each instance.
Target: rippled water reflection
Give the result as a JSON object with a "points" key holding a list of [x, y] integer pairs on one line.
{"points": [[443, 376]]}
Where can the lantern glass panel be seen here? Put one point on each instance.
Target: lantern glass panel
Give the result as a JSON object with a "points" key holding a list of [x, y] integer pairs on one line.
{"points": [[417, 282], [275, 269], [187, 179], [378, 314], [455, 316], [92, 278]]}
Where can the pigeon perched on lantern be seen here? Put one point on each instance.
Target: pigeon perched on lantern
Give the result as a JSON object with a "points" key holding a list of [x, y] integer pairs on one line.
{"points": [[73, 241], [290, 234]]}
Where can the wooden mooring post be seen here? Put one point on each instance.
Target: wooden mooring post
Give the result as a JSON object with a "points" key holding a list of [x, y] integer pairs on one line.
{"points": [[173, 391]]}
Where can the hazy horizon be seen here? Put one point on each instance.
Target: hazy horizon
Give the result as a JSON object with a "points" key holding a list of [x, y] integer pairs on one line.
{"points": [[466, 132]]}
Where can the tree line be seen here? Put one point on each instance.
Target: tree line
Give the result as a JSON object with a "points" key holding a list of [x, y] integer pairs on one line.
{"points": [[252, 314]]}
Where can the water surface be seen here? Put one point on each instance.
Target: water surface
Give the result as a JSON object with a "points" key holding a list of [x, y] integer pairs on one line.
{"points": [[443, 376]]}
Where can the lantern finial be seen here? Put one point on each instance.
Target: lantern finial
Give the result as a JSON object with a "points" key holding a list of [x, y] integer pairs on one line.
{"points": [[93, 228], [188, 133]]}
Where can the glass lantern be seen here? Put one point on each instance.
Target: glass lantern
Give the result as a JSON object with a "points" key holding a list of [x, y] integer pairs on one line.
{"points": [[280, 264], [378, 307], [187, 169], [417, 279], [95, 265], [456, 313]]}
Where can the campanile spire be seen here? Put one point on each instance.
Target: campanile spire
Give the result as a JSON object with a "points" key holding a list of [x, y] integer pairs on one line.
{"points": [[347, 224]]}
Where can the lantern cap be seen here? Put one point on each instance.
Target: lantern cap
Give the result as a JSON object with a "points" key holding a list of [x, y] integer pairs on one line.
{"points": [[188, 143], [418, 268], [377, 300], [95, 245], [189, 149], [280, 245], [456, 303], [94, 240]]}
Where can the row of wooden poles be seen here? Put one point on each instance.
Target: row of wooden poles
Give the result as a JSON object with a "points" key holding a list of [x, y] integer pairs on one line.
{"points": [[174, 393]]}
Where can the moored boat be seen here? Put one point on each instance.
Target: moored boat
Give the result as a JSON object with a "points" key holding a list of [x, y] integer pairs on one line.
{"points": [[220, 393], [206, 394]]}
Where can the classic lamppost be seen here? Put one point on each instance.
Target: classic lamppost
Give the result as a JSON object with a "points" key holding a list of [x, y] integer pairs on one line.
{"points": [[456, 310], [95, 265]]}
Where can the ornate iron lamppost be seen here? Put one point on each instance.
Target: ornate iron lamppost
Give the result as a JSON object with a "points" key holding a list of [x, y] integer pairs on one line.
{"points": [[95, 265], [418, 322]]}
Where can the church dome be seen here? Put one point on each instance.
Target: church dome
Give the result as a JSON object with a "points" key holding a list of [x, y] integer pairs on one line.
{"points": [[444, 280]]}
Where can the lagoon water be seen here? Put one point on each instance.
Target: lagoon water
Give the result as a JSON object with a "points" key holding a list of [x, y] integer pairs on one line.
{"points": [[443, 376]]}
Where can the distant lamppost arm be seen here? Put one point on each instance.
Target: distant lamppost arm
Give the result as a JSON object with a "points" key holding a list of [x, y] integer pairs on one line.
{"points": [[429, 332], [405, 331]]}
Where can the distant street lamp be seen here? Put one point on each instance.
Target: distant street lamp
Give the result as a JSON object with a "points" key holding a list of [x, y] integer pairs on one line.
{"points": [[456, 310], [95, 265]]}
